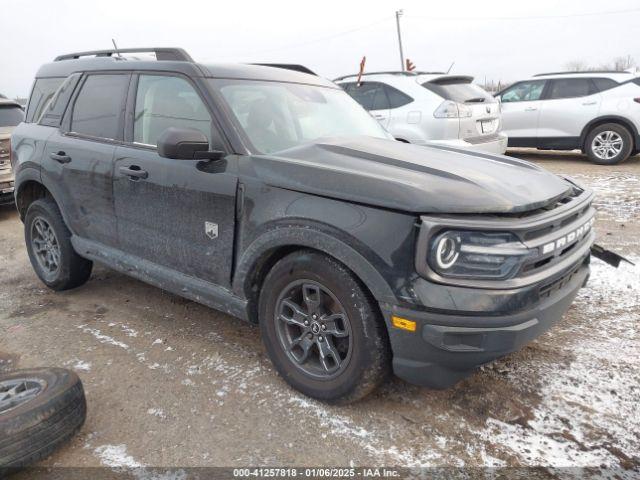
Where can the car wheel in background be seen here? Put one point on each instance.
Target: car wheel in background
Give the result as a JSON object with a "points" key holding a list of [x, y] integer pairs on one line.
{"points": [[39, 410], [322, 329], [609, 144], [49, 247]]}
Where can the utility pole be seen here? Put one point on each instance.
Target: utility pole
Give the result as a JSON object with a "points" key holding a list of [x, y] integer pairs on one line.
{"points": [[398, 15]]}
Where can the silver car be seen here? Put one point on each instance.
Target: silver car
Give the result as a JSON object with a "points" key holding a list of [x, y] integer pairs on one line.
{"points": [[597, 112]]}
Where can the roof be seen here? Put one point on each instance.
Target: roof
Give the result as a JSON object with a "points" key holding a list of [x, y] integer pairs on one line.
{"points": [[403, 78], [174, 60], [612, 74], [390, 72]]}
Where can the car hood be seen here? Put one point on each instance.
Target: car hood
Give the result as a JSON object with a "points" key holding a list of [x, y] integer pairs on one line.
{"points": [[411, 178]]}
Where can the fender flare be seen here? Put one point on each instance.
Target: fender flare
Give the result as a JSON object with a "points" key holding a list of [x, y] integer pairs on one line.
{"points": [[315, 237], [28, 174], [613, 119]]}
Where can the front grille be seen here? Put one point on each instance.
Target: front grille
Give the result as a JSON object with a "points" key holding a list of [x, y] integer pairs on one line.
{"points": [[549, 289], [4, 149], [5, 165], [558, 239]]}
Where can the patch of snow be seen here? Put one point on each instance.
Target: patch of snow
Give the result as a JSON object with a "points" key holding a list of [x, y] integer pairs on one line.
{"points": [[116, 456], [157, 412], [82, 366], [129, 331], [103, 338]]}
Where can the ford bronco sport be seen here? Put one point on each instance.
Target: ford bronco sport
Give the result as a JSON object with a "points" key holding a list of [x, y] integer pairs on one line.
{"points": [[271, 195]]}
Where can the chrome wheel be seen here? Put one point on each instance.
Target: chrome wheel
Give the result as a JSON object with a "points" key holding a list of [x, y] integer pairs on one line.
{"points": [[45, 246], [607, 145], [18, 391], [314, 329]]}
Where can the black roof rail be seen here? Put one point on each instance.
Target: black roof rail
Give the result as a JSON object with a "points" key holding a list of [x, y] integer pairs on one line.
{"points": [[391, 72], [288, 66], [586, 72], [166, 54]]}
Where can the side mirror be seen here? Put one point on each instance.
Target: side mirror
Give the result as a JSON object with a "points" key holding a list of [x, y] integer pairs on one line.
{"points": [[186, 144]]}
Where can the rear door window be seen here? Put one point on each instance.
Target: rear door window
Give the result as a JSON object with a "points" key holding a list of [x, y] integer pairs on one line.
{"points": [[603, 84], [98, 108], [43, 91], [523, 91], [396, 97], [10, 115], [571, 88], [371, 95]]}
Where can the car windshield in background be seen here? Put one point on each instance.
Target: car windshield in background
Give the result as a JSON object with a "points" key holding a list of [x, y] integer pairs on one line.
{"points": [[460, 92], [10, 116], [278, 116]]}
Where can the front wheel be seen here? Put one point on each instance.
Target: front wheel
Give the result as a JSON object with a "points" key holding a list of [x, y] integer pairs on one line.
{"points": [[321, 328], [609, 144]]}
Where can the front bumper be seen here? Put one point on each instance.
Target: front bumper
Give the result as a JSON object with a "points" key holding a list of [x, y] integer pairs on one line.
{"points": [[6, 192], [496, 143], [446, 347]]}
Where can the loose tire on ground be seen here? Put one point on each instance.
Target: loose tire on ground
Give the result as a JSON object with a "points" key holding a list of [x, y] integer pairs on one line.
{"points": [[48, 243], [609, 144], [53, 412], [342, 319]]}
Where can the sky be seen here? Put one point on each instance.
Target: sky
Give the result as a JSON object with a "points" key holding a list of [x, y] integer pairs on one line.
{"points": [[496, 40]]}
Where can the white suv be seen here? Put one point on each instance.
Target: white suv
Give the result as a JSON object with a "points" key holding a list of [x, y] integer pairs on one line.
{"points": [[421, 108], [596, 112]]}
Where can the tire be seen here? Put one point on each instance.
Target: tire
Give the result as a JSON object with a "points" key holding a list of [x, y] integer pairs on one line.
{"points": [[72, 270], [364, 353], [32, 430], [620, 141]]}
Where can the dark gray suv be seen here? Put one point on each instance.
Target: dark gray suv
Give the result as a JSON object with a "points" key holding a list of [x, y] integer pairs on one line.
{"points": [[271, 195]]}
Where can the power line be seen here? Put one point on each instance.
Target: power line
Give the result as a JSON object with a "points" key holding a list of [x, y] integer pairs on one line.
{"points": [[322, 39], [529, 17]]}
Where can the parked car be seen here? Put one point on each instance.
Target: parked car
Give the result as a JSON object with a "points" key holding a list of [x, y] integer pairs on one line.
{"points": [[597, 112], [271, 195], [423, 108], [11, 114]]}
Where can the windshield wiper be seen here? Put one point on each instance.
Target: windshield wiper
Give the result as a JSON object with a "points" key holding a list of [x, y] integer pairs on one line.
{"points": [[475, 100]]}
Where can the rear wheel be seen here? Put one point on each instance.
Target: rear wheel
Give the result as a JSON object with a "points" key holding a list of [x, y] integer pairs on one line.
{"points": [[609, 144], [49, 247], [322, 329]]}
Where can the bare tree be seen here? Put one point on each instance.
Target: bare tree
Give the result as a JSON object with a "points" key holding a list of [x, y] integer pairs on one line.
{"points": [[624, 63], [576, 66], [619, 64]]}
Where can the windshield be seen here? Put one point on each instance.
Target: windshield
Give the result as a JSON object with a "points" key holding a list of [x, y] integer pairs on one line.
{"points": [[276, 116], [460, 92], [10, 116]]}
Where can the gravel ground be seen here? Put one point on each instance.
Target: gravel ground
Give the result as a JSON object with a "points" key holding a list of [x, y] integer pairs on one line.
{"points": [[171, 383]]}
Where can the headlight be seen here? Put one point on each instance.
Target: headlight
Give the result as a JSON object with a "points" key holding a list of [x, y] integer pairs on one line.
{"points": [[482, 255]]}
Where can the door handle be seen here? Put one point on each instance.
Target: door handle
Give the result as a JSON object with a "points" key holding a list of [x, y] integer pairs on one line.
{"points": [[133, 172], [530, 109], [60, 157], [589, 103]]}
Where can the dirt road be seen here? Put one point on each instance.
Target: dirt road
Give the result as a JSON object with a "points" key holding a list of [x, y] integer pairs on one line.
{"points": [[171, 383]]}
